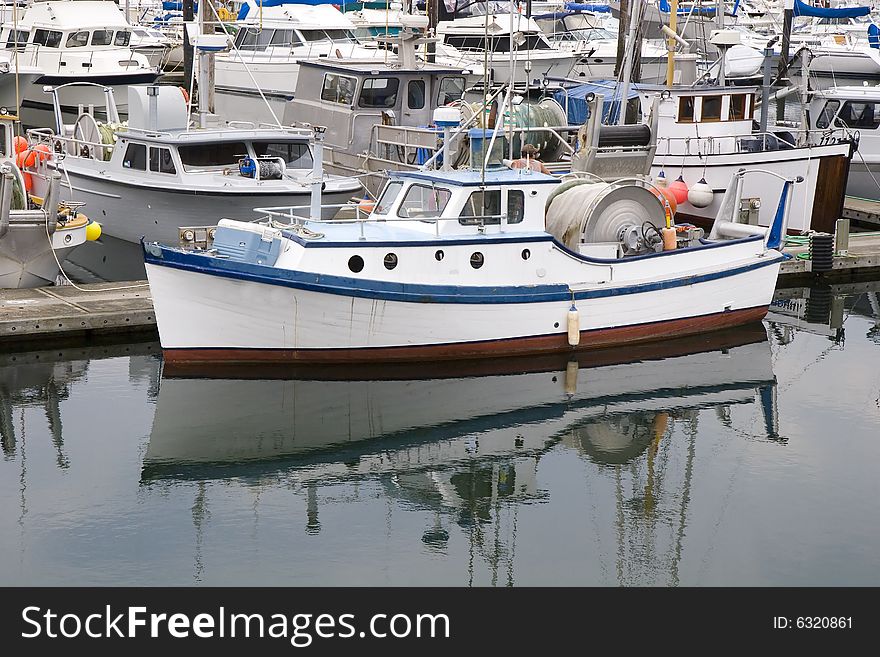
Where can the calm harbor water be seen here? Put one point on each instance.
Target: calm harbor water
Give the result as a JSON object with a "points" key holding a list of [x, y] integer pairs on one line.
{"points": [[742, 458]]}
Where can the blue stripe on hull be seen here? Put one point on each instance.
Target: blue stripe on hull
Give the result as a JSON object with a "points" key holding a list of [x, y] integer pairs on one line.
{"points": [[409, 293]]}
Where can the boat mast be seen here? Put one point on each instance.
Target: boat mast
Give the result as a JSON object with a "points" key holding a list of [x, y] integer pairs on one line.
{"points": [[670, 44], [783, 58], [629, 59]]}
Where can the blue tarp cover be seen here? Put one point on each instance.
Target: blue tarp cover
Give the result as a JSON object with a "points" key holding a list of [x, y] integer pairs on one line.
{"points": [[246, 7], [576, 102], [587, 6], [804, 9]]}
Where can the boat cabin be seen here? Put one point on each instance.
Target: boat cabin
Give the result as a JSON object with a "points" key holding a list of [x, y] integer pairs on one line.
{"points": [[354, 97], [469, 34], [58, 26], [466, 201], [716, 118], [291, 26], [857, 108]]}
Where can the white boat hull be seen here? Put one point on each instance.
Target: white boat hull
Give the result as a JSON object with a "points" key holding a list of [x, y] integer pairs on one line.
{"points": [[718, 170], [238, 312]]}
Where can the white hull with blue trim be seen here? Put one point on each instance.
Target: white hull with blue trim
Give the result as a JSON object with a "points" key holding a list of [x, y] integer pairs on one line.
{"points": [[401, 288]]}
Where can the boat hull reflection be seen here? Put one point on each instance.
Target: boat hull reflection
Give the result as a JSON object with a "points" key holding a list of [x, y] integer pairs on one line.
{"points": [[349, 422]]}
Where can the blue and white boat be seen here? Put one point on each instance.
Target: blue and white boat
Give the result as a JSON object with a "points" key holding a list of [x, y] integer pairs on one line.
{"points": [[463, 264]]}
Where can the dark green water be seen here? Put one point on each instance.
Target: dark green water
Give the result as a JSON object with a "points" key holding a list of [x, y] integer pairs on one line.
{"points": [[730, 459]]}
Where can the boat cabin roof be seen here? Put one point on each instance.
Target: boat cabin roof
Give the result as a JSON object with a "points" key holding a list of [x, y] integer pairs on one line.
{"points": [[498, 24], [711, 90], [474, 178], [67, 15], [374, 67], [185, 138], [850, 92]]}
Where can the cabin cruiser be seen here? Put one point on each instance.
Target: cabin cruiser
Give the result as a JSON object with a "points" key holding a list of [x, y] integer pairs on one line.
{"points": [[855, 113], [465, 41], [378, 115], [74, 41], [263, 63], [155, 173]]}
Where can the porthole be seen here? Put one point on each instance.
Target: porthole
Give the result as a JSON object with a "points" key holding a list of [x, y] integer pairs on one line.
{"points": [[438, 256], [390, 261], [477, 260], [526, 254], [356, 263]]}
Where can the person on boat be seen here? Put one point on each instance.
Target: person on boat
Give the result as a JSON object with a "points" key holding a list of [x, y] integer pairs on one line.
{"points": [[529, 160]]}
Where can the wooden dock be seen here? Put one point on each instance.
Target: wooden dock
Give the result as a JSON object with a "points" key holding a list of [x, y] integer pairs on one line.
{"points": [[862, 256], [862, 212], [97, 308]]}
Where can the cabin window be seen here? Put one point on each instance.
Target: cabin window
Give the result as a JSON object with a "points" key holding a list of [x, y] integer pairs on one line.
{"points": [[855, 114], [485, 208], [415, 94], [16, 38], [123, 38], [253, 39], [686, 109], [423, 202], [379, 92], [161, 161], [49, 38], [102, 37], [282, 38], [451, 89], [389, 195], [324, 35], [296, 155], [338, 89], [466, 42], [135, 157], [77, 39], [827, 114], [737, 107], [711, 109], [218, 154]]}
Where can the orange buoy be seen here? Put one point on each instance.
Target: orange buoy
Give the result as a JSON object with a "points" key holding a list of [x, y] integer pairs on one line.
{"points": [[42, 152], [26, 159], [665, 194], [28, 180], [20, 144], [680, 189], [185, 94]]}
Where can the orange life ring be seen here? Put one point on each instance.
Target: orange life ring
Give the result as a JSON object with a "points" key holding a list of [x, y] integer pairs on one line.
{"points": [[185, 94]]}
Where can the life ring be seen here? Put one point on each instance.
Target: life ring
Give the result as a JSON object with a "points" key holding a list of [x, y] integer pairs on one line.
{"points": [[185, 94]]}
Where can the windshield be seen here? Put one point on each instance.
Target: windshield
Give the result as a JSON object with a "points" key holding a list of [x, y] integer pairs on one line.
{"points": [[296, 155], [389, 195]]}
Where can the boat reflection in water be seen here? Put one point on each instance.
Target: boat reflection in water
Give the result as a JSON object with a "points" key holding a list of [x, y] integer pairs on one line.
{"points": [[458, 440]]}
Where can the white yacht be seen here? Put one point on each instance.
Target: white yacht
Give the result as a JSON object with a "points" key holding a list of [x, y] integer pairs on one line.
{"points": [[74, 41], [268, 45], [465, 42], [153, 174]]}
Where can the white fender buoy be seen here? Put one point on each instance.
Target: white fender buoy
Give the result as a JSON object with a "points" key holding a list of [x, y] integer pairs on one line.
{"points": [[574, 326], [660, 179], [701, 194]]}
